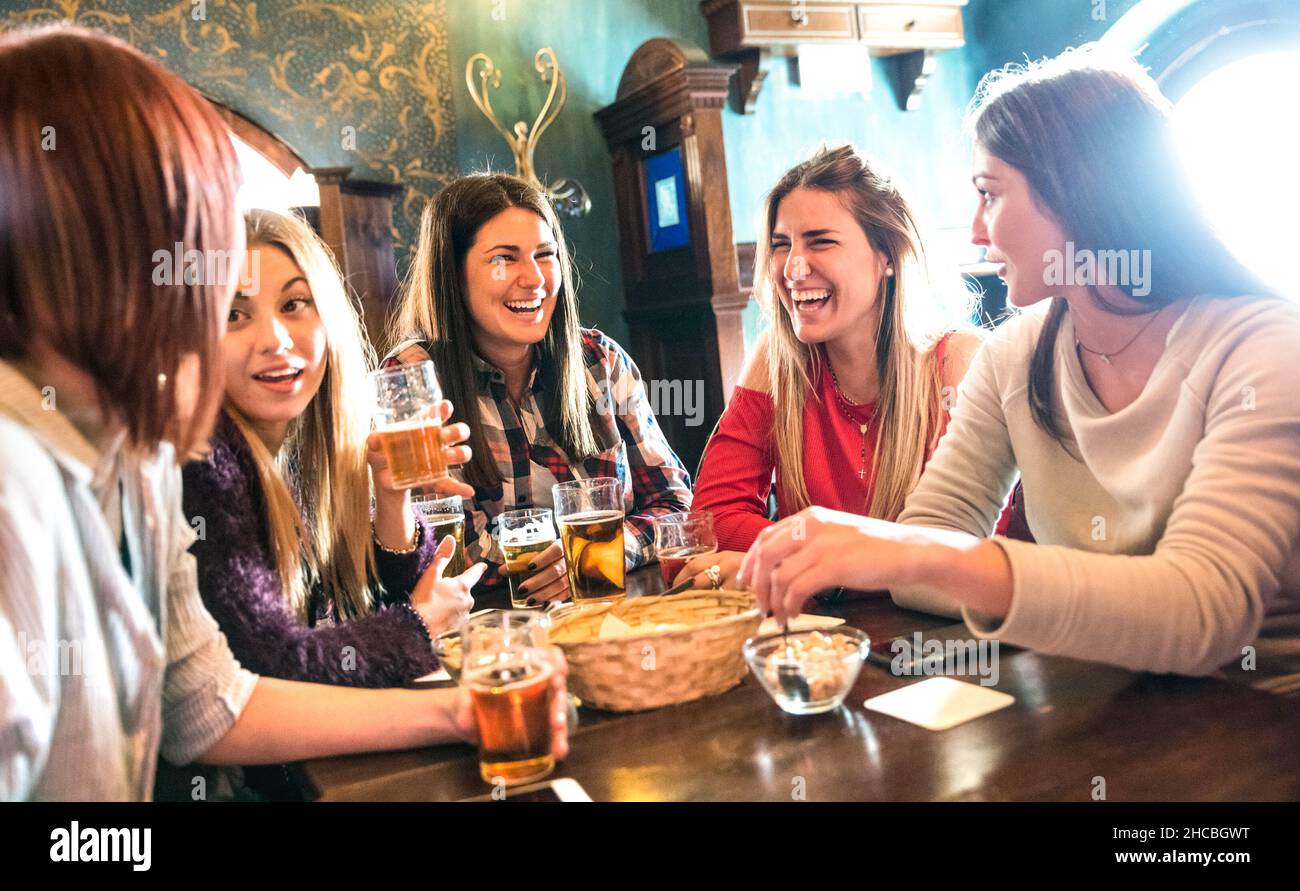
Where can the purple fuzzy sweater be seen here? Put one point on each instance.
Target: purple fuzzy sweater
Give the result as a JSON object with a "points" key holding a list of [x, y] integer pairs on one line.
{"points": [[241, 588]]}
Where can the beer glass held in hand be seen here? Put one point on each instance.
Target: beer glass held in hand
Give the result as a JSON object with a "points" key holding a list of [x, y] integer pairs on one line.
{"points": [[681, 537], [522, 534], [508, 673], [446, 516], [408, 424], [590, 516]]}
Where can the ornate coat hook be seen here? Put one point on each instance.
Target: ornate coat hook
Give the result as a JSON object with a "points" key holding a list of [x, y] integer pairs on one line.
{"points": [[567, 195]]}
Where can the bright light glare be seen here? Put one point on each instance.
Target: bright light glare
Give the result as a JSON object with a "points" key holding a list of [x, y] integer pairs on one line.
{"points": [[266, 187], [1239, 132]]}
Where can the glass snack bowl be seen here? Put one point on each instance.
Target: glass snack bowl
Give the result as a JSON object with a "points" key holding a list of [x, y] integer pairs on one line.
{"points": [[808, 672]]}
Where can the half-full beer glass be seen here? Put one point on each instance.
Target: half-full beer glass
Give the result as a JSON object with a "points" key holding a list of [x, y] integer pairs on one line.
{"points": [[446, 516], [522, 534], [681, 537], [590, 516], [407, 421]]}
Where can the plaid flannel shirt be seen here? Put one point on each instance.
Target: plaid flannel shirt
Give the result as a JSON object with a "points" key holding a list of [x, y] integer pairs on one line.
{"points": [[655, 482]]}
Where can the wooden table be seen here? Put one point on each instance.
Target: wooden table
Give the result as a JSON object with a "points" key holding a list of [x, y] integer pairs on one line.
{"points": [[1150, 737]]}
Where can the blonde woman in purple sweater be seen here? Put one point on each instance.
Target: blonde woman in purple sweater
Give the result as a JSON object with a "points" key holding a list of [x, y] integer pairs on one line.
{"points": [[304, 584]]}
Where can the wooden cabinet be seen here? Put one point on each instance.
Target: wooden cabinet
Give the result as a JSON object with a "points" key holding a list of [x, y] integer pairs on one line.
{"points": [[356, 221], [906, 27], [684, 296], [746, 32], [767, 24]]}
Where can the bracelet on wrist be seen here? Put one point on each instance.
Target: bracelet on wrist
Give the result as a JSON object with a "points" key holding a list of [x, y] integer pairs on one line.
{"points": [[419, 620], [410, 549]]}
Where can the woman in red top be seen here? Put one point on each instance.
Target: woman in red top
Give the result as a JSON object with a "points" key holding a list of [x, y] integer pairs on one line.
{"points": [[848, 390]]}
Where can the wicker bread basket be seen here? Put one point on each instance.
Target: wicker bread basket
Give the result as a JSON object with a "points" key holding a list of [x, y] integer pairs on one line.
{"points": [[656, 668]]}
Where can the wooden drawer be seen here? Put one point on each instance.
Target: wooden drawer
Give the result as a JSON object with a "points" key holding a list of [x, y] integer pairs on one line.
{"points": [[775, 23], [910, 25]]}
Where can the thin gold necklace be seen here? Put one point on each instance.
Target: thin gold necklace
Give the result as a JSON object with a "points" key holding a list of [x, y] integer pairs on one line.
{"points": [[1108, 357], [846, 408]]}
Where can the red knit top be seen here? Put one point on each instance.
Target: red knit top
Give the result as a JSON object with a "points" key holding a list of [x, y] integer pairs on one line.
{"points": [[735, 476]]}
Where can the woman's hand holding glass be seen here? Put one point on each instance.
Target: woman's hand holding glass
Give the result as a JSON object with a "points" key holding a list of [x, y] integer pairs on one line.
{"points": [[453, 452], [466, 727], [550, 581], [728, 563]]}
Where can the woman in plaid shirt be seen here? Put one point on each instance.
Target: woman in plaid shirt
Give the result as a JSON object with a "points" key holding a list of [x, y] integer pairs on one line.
{"points": [[493, 302]]}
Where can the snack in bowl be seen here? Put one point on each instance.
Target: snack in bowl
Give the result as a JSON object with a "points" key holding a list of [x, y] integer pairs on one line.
{"points": [[808, 672]]}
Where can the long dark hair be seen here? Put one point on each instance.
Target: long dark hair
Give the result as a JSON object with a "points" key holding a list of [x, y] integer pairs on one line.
{"points": [[435, 309], [1090, 132]]}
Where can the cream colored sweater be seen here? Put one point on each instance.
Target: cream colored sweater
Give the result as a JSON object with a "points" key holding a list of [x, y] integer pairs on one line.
{"points": [[1176, 538]]}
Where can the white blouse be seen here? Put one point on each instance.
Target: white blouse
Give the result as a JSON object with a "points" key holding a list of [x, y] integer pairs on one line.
{"points": [[99, 670]]}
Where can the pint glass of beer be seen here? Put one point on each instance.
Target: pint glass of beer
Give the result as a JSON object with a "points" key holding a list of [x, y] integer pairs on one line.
{"points": [[508, 674], [408, 424], [446, 516], [681, 537], [522, 534], [590, 516]]}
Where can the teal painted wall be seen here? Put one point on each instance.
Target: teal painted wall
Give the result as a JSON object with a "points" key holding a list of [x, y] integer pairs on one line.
{"points": [[1003, 31]]}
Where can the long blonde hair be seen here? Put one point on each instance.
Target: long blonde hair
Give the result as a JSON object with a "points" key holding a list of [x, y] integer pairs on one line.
{"points": [[325, 537], [911, 402]]}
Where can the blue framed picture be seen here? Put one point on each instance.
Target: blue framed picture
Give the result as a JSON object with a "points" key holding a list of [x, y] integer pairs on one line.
{"points": [[665, 191]]}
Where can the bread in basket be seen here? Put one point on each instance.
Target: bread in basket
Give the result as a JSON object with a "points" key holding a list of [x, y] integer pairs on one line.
{"points": [[668, 650]]}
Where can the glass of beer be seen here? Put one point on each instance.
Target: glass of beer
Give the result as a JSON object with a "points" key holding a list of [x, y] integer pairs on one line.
{"points": [[408, 424], [508, 673], [590, 516], [445, 516], [522, 534], [681, 537]]}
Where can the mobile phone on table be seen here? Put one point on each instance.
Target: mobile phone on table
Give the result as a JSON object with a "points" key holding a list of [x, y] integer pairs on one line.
{"points": [[562, 789]]}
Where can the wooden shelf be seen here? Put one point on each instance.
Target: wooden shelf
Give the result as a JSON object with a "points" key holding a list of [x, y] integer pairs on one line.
{"points": [[748, 32]]}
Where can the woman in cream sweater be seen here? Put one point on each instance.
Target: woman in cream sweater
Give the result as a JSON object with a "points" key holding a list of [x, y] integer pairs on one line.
{"points": [[1149, 397]]}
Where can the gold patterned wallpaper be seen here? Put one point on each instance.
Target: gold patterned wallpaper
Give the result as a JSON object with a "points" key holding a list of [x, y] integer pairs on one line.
{"points": [[361, 83]]}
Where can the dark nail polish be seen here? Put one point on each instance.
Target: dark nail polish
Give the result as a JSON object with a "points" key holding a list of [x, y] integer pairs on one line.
{"points": [[769, 614], [532, 566], [531, 602]]}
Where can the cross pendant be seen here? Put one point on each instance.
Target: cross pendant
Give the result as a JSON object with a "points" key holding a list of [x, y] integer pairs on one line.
{"points": [[862, 474]]}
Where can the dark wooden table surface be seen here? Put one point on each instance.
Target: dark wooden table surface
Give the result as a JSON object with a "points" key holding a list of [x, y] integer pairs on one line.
{"points": [[1149, 737]]}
